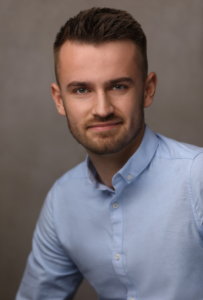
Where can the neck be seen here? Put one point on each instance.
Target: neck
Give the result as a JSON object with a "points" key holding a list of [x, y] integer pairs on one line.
{"points": [[108, 165]]}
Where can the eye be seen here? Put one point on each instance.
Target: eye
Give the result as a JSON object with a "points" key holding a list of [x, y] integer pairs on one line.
{"points": [[81, 91], [118, 87]]}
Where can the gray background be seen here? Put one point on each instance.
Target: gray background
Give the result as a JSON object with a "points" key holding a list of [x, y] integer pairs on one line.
{"points": [[36, 147]]}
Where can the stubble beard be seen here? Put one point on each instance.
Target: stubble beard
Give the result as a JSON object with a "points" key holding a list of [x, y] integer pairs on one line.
{"points": [[110, 141]]}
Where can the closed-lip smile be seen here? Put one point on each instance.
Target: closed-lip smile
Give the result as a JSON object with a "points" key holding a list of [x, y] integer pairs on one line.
{"points": [[104, 125]]}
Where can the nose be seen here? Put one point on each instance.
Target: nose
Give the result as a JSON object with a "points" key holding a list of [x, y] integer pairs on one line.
{"points": [[102, 105]]}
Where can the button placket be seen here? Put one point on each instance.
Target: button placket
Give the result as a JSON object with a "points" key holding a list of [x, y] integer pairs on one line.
{"points": [[117, 225], [118, 258]]}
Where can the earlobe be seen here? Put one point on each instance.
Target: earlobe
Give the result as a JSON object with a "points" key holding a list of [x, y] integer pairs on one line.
{"points": [[150, 88], [56, 94]]}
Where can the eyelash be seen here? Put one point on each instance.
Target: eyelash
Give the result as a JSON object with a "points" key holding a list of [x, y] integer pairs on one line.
{"points": [[85, 89], [120, 85], [75, 91]]}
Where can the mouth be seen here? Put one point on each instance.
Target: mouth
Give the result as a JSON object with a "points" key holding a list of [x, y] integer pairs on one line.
{"points": [[104, 126]]}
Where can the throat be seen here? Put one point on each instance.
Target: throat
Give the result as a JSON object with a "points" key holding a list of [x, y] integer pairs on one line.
{"points": [[108, 165]]}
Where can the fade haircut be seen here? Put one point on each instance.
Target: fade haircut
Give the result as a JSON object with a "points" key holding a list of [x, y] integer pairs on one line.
{"points": [[99, 25]]}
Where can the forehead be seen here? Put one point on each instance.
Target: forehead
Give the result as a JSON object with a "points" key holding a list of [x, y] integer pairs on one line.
{"points": [[97, 62]]}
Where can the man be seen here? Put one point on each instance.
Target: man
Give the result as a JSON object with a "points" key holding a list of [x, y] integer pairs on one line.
{"points": [[130, 218]]}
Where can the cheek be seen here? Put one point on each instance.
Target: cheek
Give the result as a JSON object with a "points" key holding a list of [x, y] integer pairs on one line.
{"points": [[77, 113], [128, 106]]}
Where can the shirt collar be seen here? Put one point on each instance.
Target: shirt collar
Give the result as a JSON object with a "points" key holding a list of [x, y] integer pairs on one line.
{"points": [[91, 171], [141, 158], [134, 166]]}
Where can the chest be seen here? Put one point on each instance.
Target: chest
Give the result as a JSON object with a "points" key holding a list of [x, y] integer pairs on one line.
{"points": [[145, 236]]}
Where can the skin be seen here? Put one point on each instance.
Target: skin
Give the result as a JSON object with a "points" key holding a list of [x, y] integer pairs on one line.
{"points": [[102, 93]]}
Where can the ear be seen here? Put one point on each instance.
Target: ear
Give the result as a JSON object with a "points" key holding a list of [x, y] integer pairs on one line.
{"points": [[150, 88], [56, 94]]}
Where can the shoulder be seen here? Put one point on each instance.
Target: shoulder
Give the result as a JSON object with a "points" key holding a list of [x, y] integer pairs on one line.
{"points": [[70, 180], [172, 149], [77, 172], [189, 159], [62, 193]]}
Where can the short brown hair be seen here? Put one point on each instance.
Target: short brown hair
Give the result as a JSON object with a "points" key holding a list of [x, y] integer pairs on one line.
{"points": [[98, 25]]}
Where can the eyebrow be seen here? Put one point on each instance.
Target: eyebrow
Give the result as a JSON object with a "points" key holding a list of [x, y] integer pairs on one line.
{"points": [[120, 79], [78, 83], [109, 82]]}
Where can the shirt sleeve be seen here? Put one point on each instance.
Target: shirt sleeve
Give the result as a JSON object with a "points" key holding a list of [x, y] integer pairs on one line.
{"points": [[50, 273], [196, 188]]}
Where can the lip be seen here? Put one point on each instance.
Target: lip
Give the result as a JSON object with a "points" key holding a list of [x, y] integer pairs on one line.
{"points": [[104, 126]]}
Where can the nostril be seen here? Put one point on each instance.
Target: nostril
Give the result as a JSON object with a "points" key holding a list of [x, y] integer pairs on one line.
{"points": [[103, 106]]}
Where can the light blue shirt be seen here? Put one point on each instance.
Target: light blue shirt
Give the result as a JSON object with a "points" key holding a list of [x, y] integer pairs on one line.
{"points": [[143, 241]]}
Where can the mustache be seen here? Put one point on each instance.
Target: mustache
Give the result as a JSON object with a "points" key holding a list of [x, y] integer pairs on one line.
{"points": [[99, 119]]}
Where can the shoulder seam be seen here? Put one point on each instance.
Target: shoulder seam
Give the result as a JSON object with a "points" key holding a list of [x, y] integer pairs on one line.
{"points": [[172, 158], [52, 213], [64, 180], [196, 213], [196, 153]]}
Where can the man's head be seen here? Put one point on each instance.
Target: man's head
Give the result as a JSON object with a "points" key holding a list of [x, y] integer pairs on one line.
{"points": [[103, 84], [99, 25]]}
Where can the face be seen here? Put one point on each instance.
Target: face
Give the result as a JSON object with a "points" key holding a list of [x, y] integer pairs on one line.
{"points": [[103, 94]]}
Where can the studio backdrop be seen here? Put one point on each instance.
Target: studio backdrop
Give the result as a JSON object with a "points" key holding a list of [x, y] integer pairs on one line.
{"points": [[36, 146]]}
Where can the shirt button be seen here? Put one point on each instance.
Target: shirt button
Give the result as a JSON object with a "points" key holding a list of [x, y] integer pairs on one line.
{"points": [[117, 256], [115, 205], [129, 177]]}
